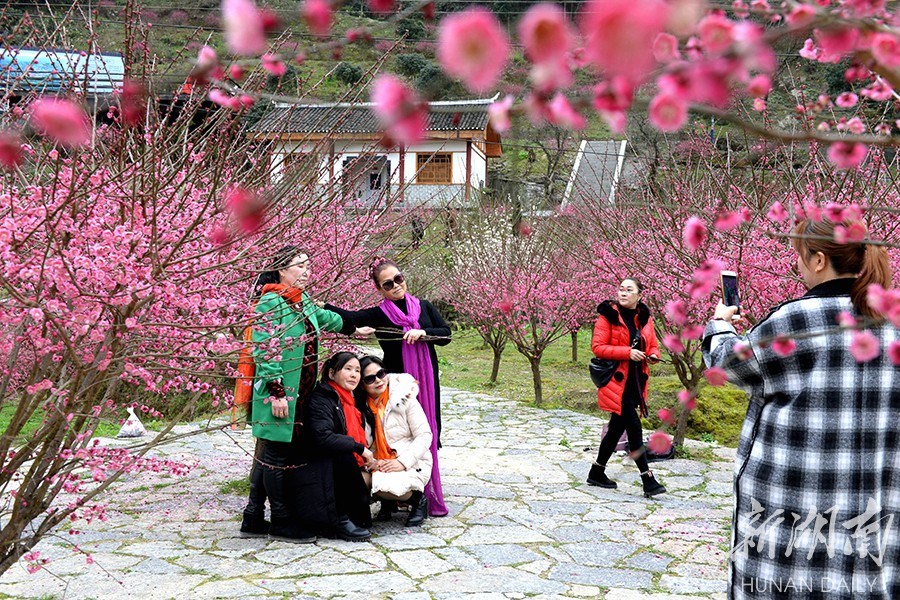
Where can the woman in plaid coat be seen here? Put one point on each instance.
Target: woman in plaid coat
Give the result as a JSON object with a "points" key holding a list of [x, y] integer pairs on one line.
{"points": [[817, 477]]}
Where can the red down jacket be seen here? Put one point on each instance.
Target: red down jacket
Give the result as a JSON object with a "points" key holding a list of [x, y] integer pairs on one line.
{"points": [[612, 341]]}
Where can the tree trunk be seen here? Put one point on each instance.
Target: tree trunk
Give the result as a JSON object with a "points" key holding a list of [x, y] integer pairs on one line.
{"points": [[574, 335], [495, 369], [536, 377], [681, 426]]}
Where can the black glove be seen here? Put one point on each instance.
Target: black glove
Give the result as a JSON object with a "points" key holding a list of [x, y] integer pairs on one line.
{"points": [[276, 388]]}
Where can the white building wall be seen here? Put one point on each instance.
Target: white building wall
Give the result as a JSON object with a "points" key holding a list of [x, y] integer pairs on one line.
{"points": [[346, 148]]}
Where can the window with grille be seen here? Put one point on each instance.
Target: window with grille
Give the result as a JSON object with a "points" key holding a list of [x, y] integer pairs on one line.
{"points": [[434, 168]]}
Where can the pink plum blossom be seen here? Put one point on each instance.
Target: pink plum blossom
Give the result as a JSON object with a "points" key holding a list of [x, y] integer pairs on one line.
{"points": [[853, 233], [801, 15], [692, 332], [668, 112], [742, 350], [759, 105], [715, 376], [886, 50], [809, 50], [549, 76], [403, 115], [665, 48], [473, 48], [247, 207], [11, 154], [61, 120], [783, 346], [847, 155], [318, 16], [835, 42], [694, 233], [562, 114], [846, 100], [660, 442], [673, 342], [864, 346], [545, 32], [777, 212], [864, 8], [619, 34], [244, 30], [499, 113], [615, 94], [846, 319], [716, 32], [666, 416], [676, 311], [382, 7], [760, 86], [728, 220], [705, 278], [855, 125], [893, 352], [687, 399], [273, 64]]}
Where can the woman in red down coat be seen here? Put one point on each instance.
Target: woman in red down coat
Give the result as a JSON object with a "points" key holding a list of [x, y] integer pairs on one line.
{"points": [[624, 332]]}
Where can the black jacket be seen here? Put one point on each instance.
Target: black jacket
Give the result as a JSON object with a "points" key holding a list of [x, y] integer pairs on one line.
{"points": [[324, 430]]}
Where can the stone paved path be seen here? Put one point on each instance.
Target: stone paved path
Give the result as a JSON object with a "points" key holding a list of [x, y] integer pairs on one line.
{"points": [[522, 524]]}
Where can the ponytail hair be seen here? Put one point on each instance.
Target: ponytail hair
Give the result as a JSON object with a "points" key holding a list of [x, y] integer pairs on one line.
{"points": [[869, 263]]}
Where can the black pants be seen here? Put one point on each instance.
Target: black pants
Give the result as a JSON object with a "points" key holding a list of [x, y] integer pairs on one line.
{"points": [[256, 503], [630, 423], [275, 457]]}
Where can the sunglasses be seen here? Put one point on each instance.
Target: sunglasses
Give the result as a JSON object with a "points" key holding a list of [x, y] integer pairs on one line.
{"points": [[370, 379], [390, 283]]}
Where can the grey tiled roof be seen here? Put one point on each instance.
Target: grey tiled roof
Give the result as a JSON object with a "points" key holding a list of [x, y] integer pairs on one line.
{"points": [[470, 115]]}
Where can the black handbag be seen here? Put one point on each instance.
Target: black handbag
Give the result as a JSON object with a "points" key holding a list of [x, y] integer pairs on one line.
{"points": [[601, 370]]}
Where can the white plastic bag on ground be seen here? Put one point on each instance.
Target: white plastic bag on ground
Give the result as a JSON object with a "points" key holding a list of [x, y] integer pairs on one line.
{"points": [[132, 427]]}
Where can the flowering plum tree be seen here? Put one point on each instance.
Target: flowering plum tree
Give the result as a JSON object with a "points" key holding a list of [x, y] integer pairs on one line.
{"points": [[520, 286]]}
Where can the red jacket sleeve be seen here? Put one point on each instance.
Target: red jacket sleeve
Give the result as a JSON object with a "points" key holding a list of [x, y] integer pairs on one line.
{"points": [[650, 336], [600, 342]]}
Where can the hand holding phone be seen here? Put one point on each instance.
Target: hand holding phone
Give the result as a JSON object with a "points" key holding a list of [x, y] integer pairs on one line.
{"points": [[730, 295]]}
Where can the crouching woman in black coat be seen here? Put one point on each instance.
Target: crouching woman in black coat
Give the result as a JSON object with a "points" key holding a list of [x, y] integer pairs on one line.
{"points": [[332, 496]]}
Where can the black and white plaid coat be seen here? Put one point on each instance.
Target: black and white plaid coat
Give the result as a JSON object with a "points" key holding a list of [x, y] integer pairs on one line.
{"points": [[817, 477]]}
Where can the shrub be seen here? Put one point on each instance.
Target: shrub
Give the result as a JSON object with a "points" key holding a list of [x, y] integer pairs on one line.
{"points": [[720, 411], [348, 73], [411, 65]]}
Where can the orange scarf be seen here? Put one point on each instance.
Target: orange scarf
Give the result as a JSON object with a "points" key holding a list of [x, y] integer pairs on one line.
{"points": [[353, 418], [377, 405]]}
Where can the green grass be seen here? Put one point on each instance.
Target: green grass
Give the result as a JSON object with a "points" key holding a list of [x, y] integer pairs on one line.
{"points": [[236, 487], [466, 364], [105, 428]]}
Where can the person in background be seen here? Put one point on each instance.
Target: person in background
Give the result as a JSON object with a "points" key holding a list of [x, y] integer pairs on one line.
{"points": [[624, 332], [817, 474]]}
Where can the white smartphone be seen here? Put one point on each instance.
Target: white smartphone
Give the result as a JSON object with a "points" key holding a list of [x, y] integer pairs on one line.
{"points": [[730, 295]]}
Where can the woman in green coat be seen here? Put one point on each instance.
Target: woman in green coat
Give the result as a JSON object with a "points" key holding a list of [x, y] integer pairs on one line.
{"points": [[285, 354]]}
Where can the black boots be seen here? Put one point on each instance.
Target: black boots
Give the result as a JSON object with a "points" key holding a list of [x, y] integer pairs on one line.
{"points": [[651, 486], [597, 476], [254, 525], [388, 508], [418, 509], [284, 531], [350, 531]]}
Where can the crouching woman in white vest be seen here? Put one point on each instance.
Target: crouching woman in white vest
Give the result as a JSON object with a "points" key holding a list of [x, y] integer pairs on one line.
{"points": [[399, 435]]}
